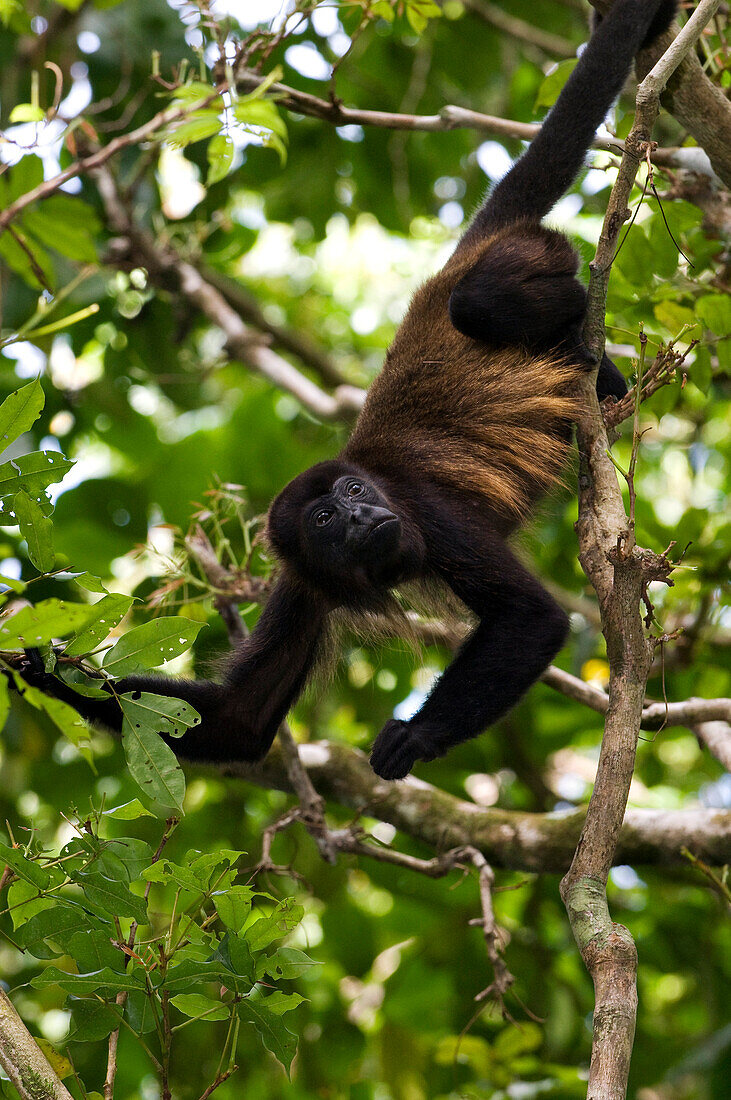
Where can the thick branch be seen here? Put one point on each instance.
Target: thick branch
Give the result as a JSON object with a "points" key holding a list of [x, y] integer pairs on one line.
{"points": [[620, 572], [507, 838], [23, 1060], [687, 93]]}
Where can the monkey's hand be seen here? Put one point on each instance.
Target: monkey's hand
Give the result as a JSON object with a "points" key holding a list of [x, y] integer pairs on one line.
{"points": [[29, 665], [397, 748]]}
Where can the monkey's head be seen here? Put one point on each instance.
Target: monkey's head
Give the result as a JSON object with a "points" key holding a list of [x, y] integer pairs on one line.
{"points": [[337, 529]]}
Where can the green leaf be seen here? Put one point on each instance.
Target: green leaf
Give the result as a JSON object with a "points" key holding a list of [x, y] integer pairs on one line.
{"points": [[220, 155], [67, 719], [24, 901], [714, 310], [133, 854], [106, 982], [128, 811], [552, 85], [13, 584], [140, 1012], [89, 582], [279, 1002], [158, 713], [57, 924], [235, 953], [92, 950], [166, 871], [234, 906], [191, 972], [285, 917], [25, 868], [260, 112], [13, 16], [20, 411], [197, 127], [153, 765], [32, 473], [49, 619], [197, 1007], [37, 530], [384, 10], [274, 1035], [287, 963], [66, 224], [151, 644], [108, 613], [195, 91], [112, 898], [92, 1021]]}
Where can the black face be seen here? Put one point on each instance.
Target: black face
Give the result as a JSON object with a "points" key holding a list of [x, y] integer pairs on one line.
{"points": [[353, 526], [336, 527]]}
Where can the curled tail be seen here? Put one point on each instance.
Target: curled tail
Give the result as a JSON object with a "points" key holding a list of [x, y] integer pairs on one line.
{"points": [[554, 158]]}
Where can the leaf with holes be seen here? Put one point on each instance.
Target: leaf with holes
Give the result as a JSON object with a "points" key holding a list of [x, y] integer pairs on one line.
{"points": [[49, 619], [150, 644], [109, 612], [152, 764], [31, 473], [37, 530]]}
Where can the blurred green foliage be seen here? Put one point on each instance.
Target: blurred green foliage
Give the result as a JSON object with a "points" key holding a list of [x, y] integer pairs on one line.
{"points": [[140, 396]]}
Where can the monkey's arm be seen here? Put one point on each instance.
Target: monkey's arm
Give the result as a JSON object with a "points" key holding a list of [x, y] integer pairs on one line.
{"points": [[240, 716], [521, 628], [554, 158]]}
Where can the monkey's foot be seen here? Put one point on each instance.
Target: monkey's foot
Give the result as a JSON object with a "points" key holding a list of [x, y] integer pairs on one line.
{"points": [[397, 748]]}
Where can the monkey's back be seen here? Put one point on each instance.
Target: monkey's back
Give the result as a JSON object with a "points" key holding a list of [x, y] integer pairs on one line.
{"points": [[493, 421]]}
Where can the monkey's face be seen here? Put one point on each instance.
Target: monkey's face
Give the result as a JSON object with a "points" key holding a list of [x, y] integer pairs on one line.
{"points": [[352, 530], [339, 531]]}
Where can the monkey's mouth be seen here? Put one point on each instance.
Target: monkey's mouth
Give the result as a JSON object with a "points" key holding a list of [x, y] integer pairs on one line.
{"points": [[384, 527], [383, 541]]}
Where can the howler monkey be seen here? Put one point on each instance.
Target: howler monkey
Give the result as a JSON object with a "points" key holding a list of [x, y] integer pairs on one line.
{"points": [[466, 426]]}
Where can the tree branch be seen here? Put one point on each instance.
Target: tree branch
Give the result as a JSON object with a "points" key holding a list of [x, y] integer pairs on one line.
{"points": [[507, 838], [450, 117], [687, 93], [23, 1060], [620, 572], [168, 269], [297, 343], [519, 29]]}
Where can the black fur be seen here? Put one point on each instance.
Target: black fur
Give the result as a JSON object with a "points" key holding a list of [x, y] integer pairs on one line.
{"points": [[463, 429]]}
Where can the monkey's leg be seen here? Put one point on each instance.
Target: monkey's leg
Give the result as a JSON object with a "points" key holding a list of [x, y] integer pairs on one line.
{"points": [[522, 291]]}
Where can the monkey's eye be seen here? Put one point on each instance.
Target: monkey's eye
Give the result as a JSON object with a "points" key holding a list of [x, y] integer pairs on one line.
{"points": [[355, 489], [323, 518]]}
